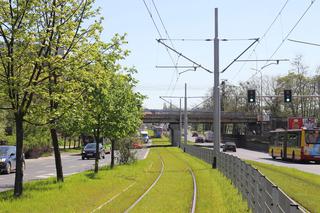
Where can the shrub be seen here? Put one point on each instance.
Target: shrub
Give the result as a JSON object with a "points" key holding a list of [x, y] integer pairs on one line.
{"points": [[126, 155]]}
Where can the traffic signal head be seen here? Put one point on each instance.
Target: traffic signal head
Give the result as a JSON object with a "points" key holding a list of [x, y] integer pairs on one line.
{"points": [[287, 95], [251, 96]]}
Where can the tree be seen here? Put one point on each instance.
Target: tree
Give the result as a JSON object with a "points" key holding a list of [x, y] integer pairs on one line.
{"points": [[123, 121], [39, 40]]}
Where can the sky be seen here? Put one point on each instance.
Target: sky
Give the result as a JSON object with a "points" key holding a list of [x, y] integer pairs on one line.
{"points": [[239, 21]]}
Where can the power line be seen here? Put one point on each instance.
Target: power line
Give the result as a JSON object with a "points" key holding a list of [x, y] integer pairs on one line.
{"points": [[185, 57], [264, 35], [288, 34], [207, 39], [304, 42], [256, 40], [155, 25], [166, 32], [153, 21], [164, 27]]}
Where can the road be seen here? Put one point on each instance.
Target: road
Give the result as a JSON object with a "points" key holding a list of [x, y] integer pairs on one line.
{"points": [[265, 158], [44, 167]]}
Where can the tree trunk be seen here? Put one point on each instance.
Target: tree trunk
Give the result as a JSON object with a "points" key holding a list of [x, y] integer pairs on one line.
{"points": [[112, 153], [19, 155], [69, 143], [57, 156], [64, 143], [96, 162]]}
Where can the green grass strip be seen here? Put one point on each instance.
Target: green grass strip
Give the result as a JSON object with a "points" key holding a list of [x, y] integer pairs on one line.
{"points": [[174, 191], [120, 187], [85, 192], [215, 192], [164, 141], [301, 186]]}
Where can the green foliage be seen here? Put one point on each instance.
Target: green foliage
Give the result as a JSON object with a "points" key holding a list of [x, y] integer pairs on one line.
{"points": [[303, 187], [126, 154]]}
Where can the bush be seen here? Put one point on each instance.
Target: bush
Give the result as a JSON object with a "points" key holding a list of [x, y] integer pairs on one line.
{"points": [[126, 155]]}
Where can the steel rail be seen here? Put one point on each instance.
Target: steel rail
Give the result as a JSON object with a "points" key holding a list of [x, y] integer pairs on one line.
{"points": [[146, 192]]}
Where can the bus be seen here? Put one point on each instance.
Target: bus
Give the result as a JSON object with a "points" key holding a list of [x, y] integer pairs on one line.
{"points": [[295, 144], [158, 130]]}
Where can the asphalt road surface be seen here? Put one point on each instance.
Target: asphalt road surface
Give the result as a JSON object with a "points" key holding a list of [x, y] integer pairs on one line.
{"points": [[44, 167], [266, 158]]}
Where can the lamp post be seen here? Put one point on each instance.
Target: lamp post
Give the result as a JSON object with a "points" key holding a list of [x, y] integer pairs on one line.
{"points": [[260, 71]]}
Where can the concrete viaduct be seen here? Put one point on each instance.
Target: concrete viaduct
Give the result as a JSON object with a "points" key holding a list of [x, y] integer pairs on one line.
{"points": [[173, 118]]}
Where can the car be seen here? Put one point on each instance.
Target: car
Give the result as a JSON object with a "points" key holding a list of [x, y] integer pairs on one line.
{"points": [[194, 134], [145, 136], [8, 159], [199, 139], [229, 146], [137, 145], [89, 151]]}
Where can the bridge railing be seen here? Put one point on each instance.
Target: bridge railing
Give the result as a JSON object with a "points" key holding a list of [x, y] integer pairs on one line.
{"points": [[261, 194]]}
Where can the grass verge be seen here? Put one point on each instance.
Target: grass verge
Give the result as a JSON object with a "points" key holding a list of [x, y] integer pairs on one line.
{"points": [[164, 141], [214, 192], [120, 187], [85, 191], [301, 186]]}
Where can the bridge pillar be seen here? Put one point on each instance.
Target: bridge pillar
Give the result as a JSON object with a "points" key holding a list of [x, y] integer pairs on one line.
{"points": [[175, 134]]}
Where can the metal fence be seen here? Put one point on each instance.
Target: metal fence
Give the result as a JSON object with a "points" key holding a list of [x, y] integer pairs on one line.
{"points": [[261, 194]]}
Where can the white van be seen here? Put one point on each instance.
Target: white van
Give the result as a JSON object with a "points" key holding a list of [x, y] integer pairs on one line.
{"points": [[144, 136]]}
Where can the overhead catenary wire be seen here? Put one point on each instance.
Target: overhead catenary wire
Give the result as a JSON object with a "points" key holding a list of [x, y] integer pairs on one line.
{"points": [[208, 39], [158, 30], [304, 42], [183, 56], [288, 34], [168, 36], [294, 26], [263, 36]]}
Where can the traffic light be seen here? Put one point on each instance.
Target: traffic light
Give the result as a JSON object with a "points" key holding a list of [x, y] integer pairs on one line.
{"points": [[287, 95], [251, 96]]}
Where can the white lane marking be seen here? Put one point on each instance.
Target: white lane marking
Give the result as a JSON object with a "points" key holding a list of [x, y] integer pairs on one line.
{"points": [[72, 173], [73, 167], [146, 192], [114, 197], [146, 154], [45, 175]]}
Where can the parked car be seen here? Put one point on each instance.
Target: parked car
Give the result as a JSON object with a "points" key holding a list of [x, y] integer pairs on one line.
{"points": [[199, 139], [208, 136], [229, 146], [136, 145], [8, 159], [194, 134], [89, 151]]}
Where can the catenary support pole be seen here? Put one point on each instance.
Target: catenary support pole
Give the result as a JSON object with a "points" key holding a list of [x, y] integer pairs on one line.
{"points": [[216, 92], [180, 124], [185, 117]]}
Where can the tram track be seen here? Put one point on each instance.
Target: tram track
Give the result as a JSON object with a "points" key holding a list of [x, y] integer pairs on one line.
{"points": [[187, 168], [194, 196], [147, 191]]}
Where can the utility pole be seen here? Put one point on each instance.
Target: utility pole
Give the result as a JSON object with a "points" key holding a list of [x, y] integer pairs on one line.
{"points": [[180, 124], [216, 92], [185, 117]]}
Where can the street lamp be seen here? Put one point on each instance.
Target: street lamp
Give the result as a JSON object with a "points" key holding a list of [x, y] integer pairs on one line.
{"points": [[260, 71]]}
